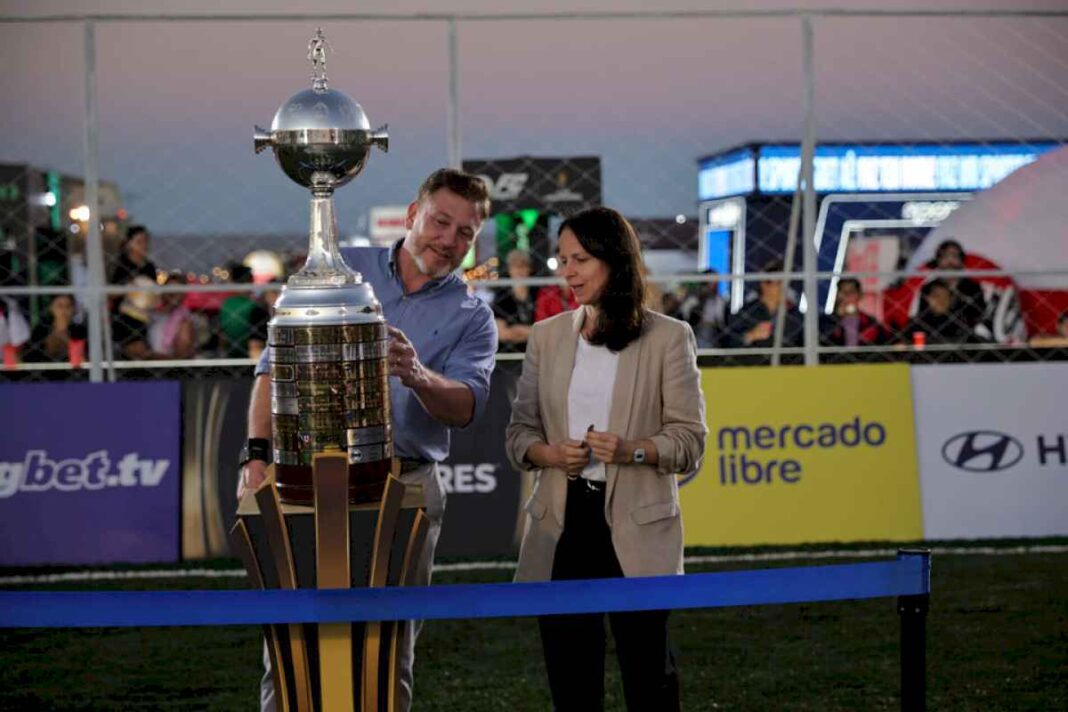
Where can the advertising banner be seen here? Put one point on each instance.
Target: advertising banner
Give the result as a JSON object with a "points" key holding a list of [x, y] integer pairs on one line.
{"points": [[481, 486], [799, 454], [993, 449], [89, 473], [555, 184]]}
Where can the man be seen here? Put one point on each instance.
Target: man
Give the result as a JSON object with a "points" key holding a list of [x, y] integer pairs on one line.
{"points": [[441, 354], [243, 319], [514, 308], [936, 320], [754, 325], [849, 325]]}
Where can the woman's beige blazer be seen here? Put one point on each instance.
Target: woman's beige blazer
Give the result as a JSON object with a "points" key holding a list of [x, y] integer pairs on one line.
{"points": [[657, 395]]}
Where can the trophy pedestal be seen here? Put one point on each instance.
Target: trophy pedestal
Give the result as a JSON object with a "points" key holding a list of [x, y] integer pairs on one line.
{"points": [[333, 544]]}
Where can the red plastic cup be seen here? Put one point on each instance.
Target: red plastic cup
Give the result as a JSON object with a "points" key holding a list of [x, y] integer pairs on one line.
{"points": [[11, 356], [76, 352], [919, 340]]}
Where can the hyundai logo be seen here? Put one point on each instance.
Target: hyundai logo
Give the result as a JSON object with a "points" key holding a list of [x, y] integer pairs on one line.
{"points": [[982, 451]]}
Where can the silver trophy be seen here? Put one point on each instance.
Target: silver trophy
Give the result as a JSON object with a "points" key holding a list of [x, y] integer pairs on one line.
{"points": [[328, 342]]}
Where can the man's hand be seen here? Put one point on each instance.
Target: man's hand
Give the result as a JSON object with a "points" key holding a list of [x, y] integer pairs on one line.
{"points": [[759, 332], [252, 476], [404, 361], [608, 448]]}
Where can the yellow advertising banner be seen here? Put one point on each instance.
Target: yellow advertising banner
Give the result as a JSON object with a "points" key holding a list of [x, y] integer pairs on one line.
{"points": [[798, 454]]}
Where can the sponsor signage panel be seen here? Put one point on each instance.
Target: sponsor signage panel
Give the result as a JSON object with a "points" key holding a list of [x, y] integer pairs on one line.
{"points": [[993, 449], [799, 454], [481, 487], [89, 473], [560, 185]]}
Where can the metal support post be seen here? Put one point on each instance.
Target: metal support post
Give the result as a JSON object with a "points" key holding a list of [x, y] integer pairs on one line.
{"points": [[912, 611], [453, 113], [808, 150], [93, 296]]}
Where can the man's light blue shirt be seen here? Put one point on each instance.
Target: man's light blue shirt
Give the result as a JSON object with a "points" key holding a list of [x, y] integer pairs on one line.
{"points": [[453, 333]]}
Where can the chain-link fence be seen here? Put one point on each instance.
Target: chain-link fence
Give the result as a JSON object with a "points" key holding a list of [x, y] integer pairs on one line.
{"points": [[808, 188]]}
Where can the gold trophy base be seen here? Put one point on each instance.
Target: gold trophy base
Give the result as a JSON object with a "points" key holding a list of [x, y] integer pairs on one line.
{"points": [[333, 544]]}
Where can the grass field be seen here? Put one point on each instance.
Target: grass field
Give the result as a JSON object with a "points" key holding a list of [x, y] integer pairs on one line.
{"points": [[997, 640]]}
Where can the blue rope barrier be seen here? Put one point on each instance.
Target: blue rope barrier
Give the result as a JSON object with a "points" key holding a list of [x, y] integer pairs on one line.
{"points": [[908, 575]]}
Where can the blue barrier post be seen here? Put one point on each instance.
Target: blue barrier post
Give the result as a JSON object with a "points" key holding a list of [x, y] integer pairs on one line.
{"points": [[913, 612]]}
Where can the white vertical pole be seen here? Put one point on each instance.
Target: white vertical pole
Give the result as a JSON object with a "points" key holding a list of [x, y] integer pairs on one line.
{"points": [[808, 150], [453, 114], [94, 293]]}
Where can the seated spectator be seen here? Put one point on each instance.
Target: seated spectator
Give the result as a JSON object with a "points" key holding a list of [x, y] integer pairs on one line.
{"points": [[51, 340], [654, 295], [670, 304], [705, 309], [514, 308], [131, 322], [171, 333], [243, 319], [968, 303], [936, 319], [849, 326], [554, 299], [1059, 339], [14, 331], [754, 325]]}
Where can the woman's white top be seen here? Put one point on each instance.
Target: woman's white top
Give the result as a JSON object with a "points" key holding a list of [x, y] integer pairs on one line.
{"points": [[589, 397]]}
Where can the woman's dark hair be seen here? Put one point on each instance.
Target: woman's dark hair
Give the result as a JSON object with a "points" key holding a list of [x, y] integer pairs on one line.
{"points": [[607, 235], [942, 247], [132, 232]]}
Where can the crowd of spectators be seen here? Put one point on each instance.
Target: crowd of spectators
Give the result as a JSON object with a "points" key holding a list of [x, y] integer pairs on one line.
{"points": [[147, 324], [144, 323], [948, 310]]}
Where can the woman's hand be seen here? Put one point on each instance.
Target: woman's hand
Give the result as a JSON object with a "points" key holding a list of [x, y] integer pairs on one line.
{"points": [[609, 448], [571, 456]]}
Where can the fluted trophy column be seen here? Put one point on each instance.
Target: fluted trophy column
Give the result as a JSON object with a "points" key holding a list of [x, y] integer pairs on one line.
{"points": [[328, 341]]}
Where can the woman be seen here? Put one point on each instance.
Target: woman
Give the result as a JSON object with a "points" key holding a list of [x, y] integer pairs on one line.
{"points": [[171, 333], [607, 410], [53, 337]]}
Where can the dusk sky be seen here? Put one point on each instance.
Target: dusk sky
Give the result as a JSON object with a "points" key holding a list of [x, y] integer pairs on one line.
{"points": [[178, 99]]}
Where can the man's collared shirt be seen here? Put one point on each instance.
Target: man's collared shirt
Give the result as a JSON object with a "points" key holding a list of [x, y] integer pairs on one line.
{"points": [[453, 334]]}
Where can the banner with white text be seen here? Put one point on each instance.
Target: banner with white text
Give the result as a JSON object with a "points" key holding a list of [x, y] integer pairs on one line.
{"points": [[89, 473]]}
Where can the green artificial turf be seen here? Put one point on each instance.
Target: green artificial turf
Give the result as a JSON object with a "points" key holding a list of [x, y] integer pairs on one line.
{"points": [[997, 640]]}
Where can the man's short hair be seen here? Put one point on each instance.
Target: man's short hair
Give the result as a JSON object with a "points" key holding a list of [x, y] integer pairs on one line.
{"points": [[847, 281], [935, 284], [772, 265], [466, 185]]}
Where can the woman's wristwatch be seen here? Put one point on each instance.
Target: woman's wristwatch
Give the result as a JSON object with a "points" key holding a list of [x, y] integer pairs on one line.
{"points": [[639, 455], [255, 449]]}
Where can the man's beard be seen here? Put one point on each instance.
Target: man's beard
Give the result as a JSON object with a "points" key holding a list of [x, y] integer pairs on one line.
{"points": [[421, 265]]}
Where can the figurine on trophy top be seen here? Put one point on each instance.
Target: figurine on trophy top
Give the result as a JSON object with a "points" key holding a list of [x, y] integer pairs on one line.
{"points": [[321, 139]]}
